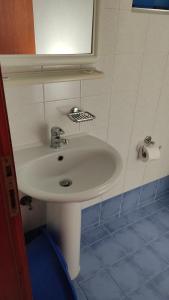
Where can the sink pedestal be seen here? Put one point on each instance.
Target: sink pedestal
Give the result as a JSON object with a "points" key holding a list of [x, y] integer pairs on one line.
{"points": [[65, 219]]}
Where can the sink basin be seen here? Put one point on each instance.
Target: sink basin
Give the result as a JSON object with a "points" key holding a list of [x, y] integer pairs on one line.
{"points": [[79, 171], [84, 169]]}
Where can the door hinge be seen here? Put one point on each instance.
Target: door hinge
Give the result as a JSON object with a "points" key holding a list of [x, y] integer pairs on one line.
{"points": [[10, 185]]}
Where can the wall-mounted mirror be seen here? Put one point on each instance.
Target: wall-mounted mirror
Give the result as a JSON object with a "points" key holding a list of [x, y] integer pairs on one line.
{"points": [[59, 30]]}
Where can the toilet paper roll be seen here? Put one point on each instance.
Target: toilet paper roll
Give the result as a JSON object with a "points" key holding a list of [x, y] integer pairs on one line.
{"points": [[148, 153]]}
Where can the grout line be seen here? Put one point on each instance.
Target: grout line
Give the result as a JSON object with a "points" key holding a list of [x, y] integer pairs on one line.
{"points": [[128, 255], [155, 118], [81, 96], [44, 102], [110, 234], [148, 281], [79, 287], [100, 213], [156, 199], [93, 225], [134, 110], [156, 190], [121, 205]]}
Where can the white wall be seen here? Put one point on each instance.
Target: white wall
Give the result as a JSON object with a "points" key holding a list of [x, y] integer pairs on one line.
{"points": [[130, 102]]}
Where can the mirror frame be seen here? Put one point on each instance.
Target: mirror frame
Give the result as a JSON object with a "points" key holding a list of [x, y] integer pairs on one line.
{"points": [[51, 60]]}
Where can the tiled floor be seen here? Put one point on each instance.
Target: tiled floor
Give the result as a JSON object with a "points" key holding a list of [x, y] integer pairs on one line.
{"points": [[127, 258]]}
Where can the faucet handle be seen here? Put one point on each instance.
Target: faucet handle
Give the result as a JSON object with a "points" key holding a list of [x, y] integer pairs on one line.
{"points": [[57, 131]]}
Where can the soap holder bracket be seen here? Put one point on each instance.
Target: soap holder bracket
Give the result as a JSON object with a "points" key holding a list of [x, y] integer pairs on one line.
{"points": [[77, 115]]}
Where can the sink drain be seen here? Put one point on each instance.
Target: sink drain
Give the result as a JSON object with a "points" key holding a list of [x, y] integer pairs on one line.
{"points": [[65, 182]]}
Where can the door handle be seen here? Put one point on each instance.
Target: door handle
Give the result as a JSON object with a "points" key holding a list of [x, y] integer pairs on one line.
{"points": [[10, 185]]}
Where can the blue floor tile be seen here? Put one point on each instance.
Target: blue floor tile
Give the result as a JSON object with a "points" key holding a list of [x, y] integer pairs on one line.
{"points": [[80, 294], [89, 264], [128, 257], [148, 292], [83, 242], [162, 217], [129, 240], [148, 230], [91, 216], [101, 287], [153, 207], [149, 262], [162, 283], [131, 200], [94, 234], [116, 223], [163, 186], [108, 251], [137, 215], [110, 207], [161, 246], [127, 275], [164, 200], [148, 193]]}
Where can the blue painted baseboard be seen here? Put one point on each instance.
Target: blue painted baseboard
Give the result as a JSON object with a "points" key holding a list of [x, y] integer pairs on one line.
{"points": [[124, 203]]}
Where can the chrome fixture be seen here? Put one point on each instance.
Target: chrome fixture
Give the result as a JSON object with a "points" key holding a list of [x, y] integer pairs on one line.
{"points": [[56, 140], [76, 115], [65, 182], [148, 141]]}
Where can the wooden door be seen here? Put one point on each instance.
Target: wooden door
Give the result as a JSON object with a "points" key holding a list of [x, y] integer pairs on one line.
{"points": [[14, 277], [16, 27]]}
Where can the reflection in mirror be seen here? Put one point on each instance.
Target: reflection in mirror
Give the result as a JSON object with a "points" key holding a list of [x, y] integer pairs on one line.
{"points": [[55, 27]]}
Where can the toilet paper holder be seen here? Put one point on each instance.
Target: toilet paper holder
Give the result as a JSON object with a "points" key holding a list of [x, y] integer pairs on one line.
{"points": [[147, 142]]}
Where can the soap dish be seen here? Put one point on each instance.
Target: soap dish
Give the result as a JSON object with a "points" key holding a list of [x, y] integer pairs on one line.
{"points": [[76, 115]]}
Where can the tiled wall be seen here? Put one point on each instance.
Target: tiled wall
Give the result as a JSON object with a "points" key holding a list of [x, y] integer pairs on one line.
{"points": [[124, 204], [130, 102]]}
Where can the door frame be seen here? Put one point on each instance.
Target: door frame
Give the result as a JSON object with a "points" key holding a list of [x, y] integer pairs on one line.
{"points": [[11, 231]]}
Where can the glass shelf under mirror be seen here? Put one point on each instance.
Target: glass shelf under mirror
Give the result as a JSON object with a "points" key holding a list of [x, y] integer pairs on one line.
{"points": [[40, 77]]}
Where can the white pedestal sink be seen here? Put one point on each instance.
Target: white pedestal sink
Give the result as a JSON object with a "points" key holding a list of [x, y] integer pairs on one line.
{"points": [[66, 218], [84, 169]]}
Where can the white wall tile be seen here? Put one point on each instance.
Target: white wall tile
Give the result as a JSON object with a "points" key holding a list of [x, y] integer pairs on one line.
{"points": [[127, 71], [125, 4], [130, 102], [35, 217], [111, 4], [97, 87], [94, 87], [133, 177], [120, 127], [132, 29], [23, 94], [56, 115], [109, 31], [160, 168], [153, 71], [143, 126], [62, 90], [145, 112], [26, 123], [158, 32], [116, 189], [99, 106], [121, 120]]}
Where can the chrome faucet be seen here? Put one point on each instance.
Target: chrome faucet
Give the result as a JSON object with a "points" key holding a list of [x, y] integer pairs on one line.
{"points": [[56, 140]]}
